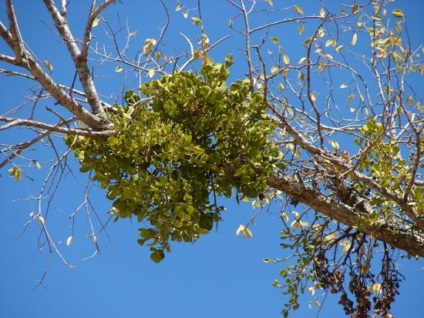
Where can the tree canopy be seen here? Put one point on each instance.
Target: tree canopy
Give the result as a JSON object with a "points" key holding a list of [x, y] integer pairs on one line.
{"points": [[321, 120]]}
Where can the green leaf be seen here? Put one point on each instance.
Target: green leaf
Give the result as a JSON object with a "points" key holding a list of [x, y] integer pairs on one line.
{"points": [[397, 13], [157, 256], [196, 21], [274, 39], [206, 222]]}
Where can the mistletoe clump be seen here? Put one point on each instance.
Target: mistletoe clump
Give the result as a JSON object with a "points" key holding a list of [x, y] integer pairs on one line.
{"points": [[195, 139]]}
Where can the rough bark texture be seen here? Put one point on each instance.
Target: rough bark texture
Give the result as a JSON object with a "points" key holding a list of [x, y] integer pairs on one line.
{"points": [[349, 213]]}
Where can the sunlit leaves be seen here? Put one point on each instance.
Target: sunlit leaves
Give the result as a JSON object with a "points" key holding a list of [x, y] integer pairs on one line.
{"points": [[118, 69], [286, 59], [196, 137]]}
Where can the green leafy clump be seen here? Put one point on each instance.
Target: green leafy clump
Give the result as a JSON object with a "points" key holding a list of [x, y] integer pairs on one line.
{"points": [[171, 157]]}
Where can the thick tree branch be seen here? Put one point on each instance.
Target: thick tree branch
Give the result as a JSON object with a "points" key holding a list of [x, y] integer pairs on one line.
{"points": [[406, 239], [16, 40], [80, 58]]}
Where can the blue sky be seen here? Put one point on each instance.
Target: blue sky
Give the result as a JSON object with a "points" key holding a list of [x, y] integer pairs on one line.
{"points": [[221, 275]]}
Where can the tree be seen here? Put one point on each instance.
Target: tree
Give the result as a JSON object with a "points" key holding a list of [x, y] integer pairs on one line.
{"points": [[329, 124]]}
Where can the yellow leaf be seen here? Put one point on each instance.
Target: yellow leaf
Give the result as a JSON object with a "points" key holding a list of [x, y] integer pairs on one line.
{"points": [[94, 238], [398, 26], [248, 233], [69, 240], [152, 73], [148, 45], [376, 288], [196, 21], [284, 217], [270, 3], [346, 246], [48, 65], [158, 55], [338, 49], [298, 9], [330, 237], [330, 42], [397, 13], [313, 96], [240, 229], [300, 29], [286, 59], [322, 12], [179, 7], [335, 145], [118, 69], [95, 22], [41, 220], [354, 39], [303, 60], [244, 231], [311, 291]]}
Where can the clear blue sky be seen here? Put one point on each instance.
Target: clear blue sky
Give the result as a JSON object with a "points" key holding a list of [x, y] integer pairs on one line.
{"points": [[221, 275]]}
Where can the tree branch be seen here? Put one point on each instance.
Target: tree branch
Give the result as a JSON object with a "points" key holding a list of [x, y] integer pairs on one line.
{"points": [[405, 239], [80, 61]]}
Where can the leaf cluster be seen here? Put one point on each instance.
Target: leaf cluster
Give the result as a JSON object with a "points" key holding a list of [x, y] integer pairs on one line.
{"points": [[194, 140]]}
